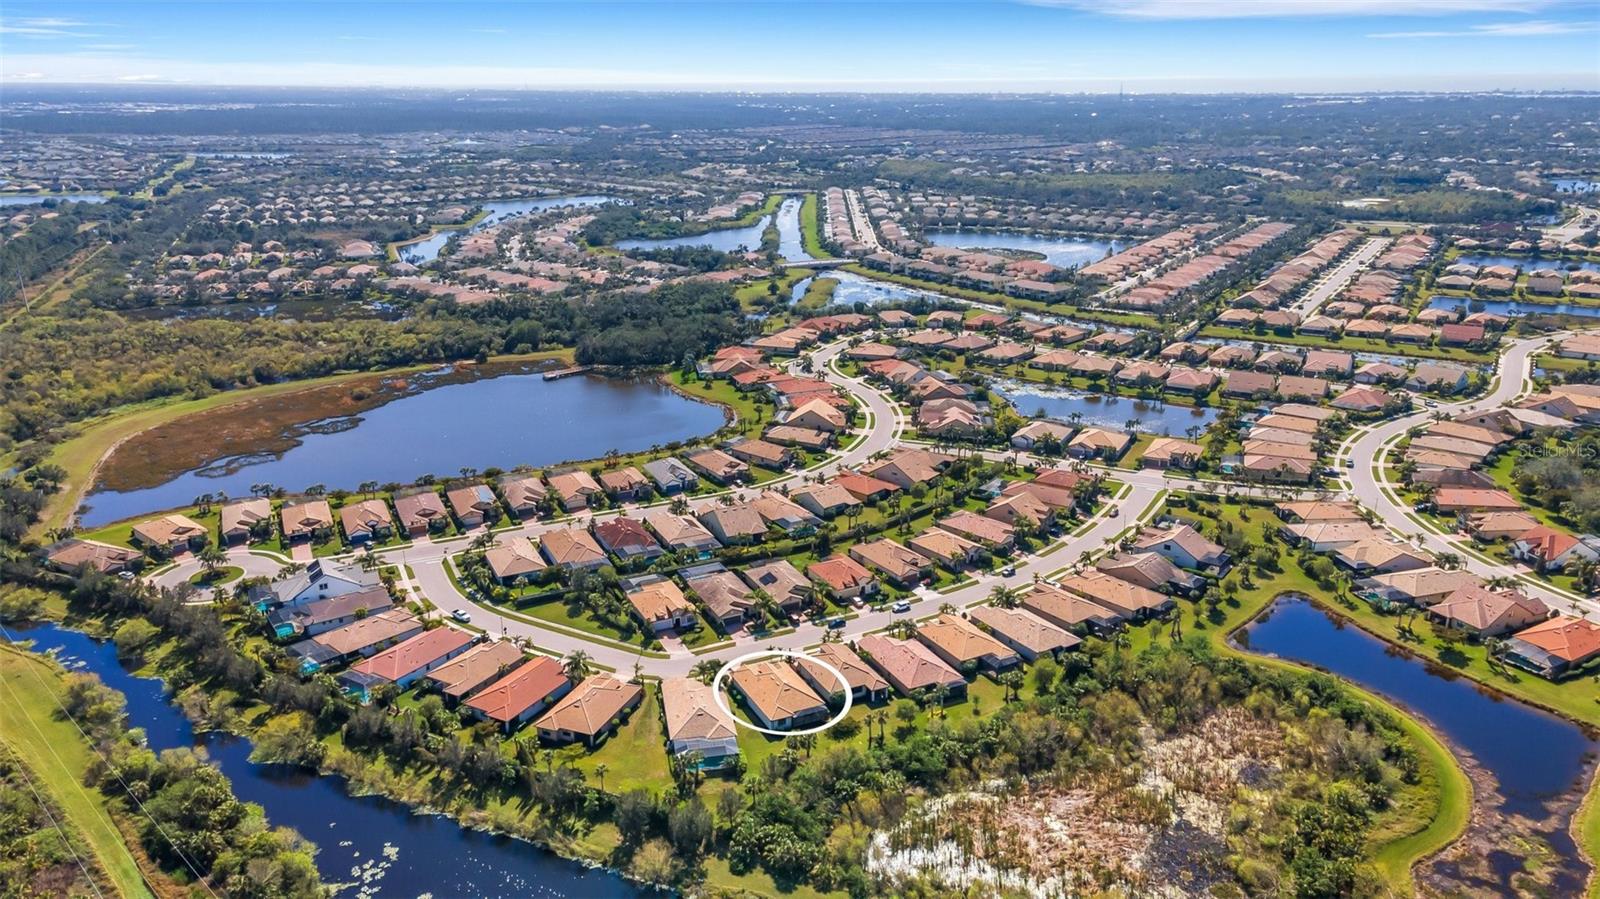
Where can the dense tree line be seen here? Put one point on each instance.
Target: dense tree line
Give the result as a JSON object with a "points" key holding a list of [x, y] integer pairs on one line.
{"points": [[60, 370], [37, 857], [184, 809], [1564, 479], [50, 242]]}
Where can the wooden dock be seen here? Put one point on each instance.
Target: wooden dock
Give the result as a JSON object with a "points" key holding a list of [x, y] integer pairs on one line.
{"points": [[567, 372]]}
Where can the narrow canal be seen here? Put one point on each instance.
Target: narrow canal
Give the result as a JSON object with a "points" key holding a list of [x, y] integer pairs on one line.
{"points": [[1530, 768], [366, 843]]}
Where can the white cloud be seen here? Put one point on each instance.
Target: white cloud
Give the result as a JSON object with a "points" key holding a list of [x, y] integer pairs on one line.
{"points": [[1499, 29], [1250, 9], [36, 31], [130, 69], [45, 27]]}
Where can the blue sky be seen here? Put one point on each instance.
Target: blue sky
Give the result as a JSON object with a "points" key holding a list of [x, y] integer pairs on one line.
{"points": [[959, 45]]}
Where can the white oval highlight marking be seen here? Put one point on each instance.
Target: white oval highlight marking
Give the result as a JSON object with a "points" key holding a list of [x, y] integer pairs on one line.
{"points": [[722, 696]]}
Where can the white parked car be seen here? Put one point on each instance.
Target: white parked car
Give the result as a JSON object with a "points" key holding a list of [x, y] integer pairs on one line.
{"points": [[461, 615]]}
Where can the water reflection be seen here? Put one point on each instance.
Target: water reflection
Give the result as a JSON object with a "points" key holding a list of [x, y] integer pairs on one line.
{"points": [[368, 843]]}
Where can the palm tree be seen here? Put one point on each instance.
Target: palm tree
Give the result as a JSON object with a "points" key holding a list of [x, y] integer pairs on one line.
{"points": [[600, 774], [1012, 682], [368, 488], [1004, 597], [211, 558], [577, 665]]}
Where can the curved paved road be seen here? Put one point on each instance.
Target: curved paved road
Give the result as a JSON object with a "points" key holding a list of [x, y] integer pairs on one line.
{"points": [[1371, 487], [885, 427]]}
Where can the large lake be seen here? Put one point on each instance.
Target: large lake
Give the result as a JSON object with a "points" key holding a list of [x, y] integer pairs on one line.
{"points": [[1512, 307], [1061, 252], [1535, 758], [1105, 410], [36, 199], [1529, 263], [514, 419], [725, 240], [853, 288], [427, 249], [1575, 186], [372, 842]]}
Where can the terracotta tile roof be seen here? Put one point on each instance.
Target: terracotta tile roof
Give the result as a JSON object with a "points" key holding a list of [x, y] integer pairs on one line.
{"points": [[1025, 628], [591, 706], [1570, 639], [857, 673], [776, 690], [908, 664], [962, 640], [692, 713], [462, 674], [407, 656], [519, 690]]}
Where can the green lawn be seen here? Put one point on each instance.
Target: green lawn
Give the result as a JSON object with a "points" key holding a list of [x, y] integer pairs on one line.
{"points": [[56, 758], [1352, 344], [810, 233], [121, 533], [223, 574], [636, 755], [984, 697], [1126, 319]]}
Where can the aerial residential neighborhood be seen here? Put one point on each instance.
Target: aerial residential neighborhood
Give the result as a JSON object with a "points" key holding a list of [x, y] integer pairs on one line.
{"points": [[1042, 449]]}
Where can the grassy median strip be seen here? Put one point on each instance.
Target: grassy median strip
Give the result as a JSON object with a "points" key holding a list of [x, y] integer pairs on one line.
{"points": [[57, 758]]}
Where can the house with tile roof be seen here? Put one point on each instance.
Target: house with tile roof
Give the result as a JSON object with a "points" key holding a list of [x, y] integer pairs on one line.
{"points": [[473, 504], [910, 666], [576, 489], [682, 533], [406, 662], [777, 696], [843, 578], [474, 669], [513, 558], [1070, 611], [1548, 549], [310, 519], [592, 710], [696, 723], [900, 564], [659, 603], [864, 682], [524, 495], [421, 512], [572, 548], [244, 520], [174, 532], [1488, 613], [964, 646], [1555, 647], [1029, 635], [365, 521], [627, 539], [1127, 599], [521, 694]]}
